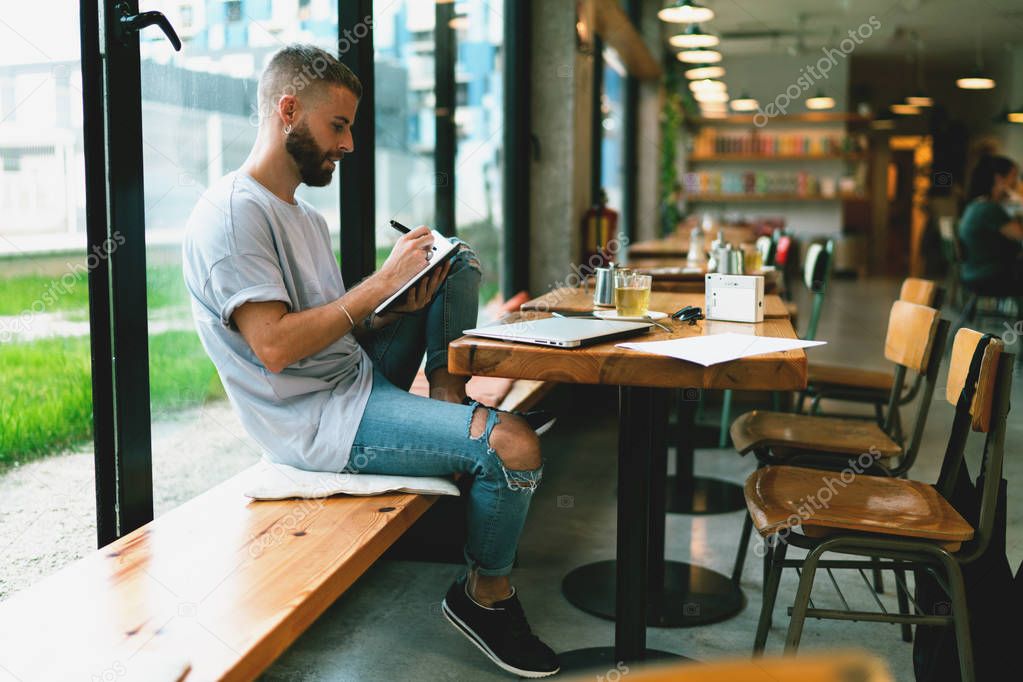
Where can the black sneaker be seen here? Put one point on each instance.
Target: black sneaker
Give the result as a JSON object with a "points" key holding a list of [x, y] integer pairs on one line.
{"points": [[539, 420], [501, 632]]}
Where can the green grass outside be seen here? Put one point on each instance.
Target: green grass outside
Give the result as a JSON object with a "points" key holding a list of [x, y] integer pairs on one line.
{"points": [[69, 292], [46, 390]]}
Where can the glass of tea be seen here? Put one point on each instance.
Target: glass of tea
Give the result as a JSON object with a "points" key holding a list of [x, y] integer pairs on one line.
{"points": [[632, 294]]}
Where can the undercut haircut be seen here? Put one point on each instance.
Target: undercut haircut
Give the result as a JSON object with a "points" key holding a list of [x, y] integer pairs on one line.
{"points": [[302, 71]]}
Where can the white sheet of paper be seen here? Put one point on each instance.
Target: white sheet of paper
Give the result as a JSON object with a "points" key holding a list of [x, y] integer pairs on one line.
{"points": [[716, 348]]}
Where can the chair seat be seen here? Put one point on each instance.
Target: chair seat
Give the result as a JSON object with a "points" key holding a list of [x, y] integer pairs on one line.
{"points": [[781, 497], [761, 429], [820, 375]]}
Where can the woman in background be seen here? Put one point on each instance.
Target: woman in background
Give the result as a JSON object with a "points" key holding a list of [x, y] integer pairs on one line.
{"points": [[989, 235]]}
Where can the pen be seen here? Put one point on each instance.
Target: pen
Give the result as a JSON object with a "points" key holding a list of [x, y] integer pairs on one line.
{"points": [[399, 227]]}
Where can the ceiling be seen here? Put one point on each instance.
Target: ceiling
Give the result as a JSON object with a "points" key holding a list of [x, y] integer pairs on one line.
{"points": [[945, 30]]}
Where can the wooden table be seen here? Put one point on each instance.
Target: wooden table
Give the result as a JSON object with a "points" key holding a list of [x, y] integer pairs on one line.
{"points": [[577, 300], [677, 245], [671, 274], [645, 382]]}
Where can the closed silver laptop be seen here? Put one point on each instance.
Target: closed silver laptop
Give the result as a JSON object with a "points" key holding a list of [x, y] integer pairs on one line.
{"points": [[562, 332]]}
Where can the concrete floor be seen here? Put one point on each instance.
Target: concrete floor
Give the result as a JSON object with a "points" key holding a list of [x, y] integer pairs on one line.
{"points": [[388, 625]]}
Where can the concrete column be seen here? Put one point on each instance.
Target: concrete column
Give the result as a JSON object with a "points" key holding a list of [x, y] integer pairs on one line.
{"points": [[648, 138], [561, 103]]}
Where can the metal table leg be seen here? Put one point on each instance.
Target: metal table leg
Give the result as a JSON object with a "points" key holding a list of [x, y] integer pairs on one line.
{"points": [[640, 426], [688, 493], [678, 594]]}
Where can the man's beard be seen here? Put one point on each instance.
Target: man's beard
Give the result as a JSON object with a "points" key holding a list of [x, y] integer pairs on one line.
{"points": [[309, 157]]}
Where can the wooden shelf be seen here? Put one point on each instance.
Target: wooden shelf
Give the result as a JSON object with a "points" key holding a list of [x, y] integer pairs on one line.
{"points": [[753, 198], [777, 157]]}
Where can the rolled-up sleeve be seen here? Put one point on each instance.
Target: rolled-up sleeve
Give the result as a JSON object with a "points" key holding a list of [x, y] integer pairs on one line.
{"points": [[244, 278]]}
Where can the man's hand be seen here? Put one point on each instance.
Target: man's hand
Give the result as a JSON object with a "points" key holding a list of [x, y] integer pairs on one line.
{"points": [[419, 296], [408, 256]]}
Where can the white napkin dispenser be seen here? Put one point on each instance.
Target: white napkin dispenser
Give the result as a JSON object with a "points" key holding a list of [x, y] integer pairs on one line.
{"points": [[735, 298]]}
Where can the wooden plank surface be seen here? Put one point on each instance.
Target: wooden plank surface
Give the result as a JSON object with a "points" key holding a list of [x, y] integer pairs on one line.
{"points": [[603, 363], [671, 274], [678, 244], [777, 498], [577, 300], [222, 581]]}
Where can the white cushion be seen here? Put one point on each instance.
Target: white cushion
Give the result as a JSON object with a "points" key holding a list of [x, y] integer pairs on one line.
{"points": [[272, 481]]}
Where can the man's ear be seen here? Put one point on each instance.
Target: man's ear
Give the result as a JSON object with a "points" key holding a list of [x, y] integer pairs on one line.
{"points": [[287, 108]]}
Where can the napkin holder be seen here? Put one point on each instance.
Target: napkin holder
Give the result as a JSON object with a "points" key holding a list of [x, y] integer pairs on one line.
{"points": [[735, 298]]}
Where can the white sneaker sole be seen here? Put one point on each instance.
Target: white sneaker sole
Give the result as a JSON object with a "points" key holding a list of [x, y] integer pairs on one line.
{"points": [[544, 428], [471, 636]]}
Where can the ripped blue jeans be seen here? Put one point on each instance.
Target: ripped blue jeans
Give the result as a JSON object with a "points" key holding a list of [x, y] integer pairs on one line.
{"points": [[408, 435]]}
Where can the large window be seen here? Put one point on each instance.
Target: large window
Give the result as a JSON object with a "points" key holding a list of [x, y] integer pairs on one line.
{"points": [[199, 121], [46, 450], [479, 70], [612, 129], [403, 43], [198, 109]]}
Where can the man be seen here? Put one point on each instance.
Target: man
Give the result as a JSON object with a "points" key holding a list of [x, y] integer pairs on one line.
{"points": [[319, 381]]}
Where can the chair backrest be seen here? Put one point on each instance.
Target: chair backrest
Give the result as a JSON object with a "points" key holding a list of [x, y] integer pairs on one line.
{"points": [[915, 341], [911, 332], [816, 276], [987, 413], [765, 245], [919, 291], [962, 354]]}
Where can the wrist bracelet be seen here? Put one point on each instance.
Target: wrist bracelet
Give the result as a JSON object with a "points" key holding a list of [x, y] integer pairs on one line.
{"points": [[347, 314]]}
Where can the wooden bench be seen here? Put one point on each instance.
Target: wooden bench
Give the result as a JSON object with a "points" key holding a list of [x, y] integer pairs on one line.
{"points": [[219, 586]]}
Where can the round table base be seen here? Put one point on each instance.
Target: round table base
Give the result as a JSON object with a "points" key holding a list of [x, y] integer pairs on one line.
{"points": [[709, 496], [601, 661], [691, 595]]}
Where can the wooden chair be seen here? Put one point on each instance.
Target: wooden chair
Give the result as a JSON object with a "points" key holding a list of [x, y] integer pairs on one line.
{"points": [[915, 341], [907, 522], [855, 385], [816, 276]]}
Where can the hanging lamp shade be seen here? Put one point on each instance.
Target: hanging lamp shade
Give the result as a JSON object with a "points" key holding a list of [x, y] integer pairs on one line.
{"points": [[707, 85], [704, 71], [976, 80], [820, 101], [920, 100], [903, 109], [744, 103], [684, 12], [699, 55], [694, 36]]}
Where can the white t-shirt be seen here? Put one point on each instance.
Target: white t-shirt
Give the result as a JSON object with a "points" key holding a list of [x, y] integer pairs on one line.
{"points": [[243, 243]]}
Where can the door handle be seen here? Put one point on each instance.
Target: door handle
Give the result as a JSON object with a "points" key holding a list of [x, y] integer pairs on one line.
{"points": [[129, 24]]}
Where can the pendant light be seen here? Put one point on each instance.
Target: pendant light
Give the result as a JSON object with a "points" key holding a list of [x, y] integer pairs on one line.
{"points": [[1015, 115], [694, 36], [711, 96], [744, 103], [707, 85], [904, 109], [684, 12], [704, 71], [820, 101], [977, 79], [921, 98], [699, 55]]}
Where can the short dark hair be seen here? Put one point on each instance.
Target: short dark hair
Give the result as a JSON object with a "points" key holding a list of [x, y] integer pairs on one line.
{"points": [[302, 68], [982, 180]]}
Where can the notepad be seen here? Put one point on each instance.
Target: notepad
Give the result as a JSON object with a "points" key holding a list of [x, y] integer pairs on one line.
{"points": [[442, 249], [717, 348]]}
